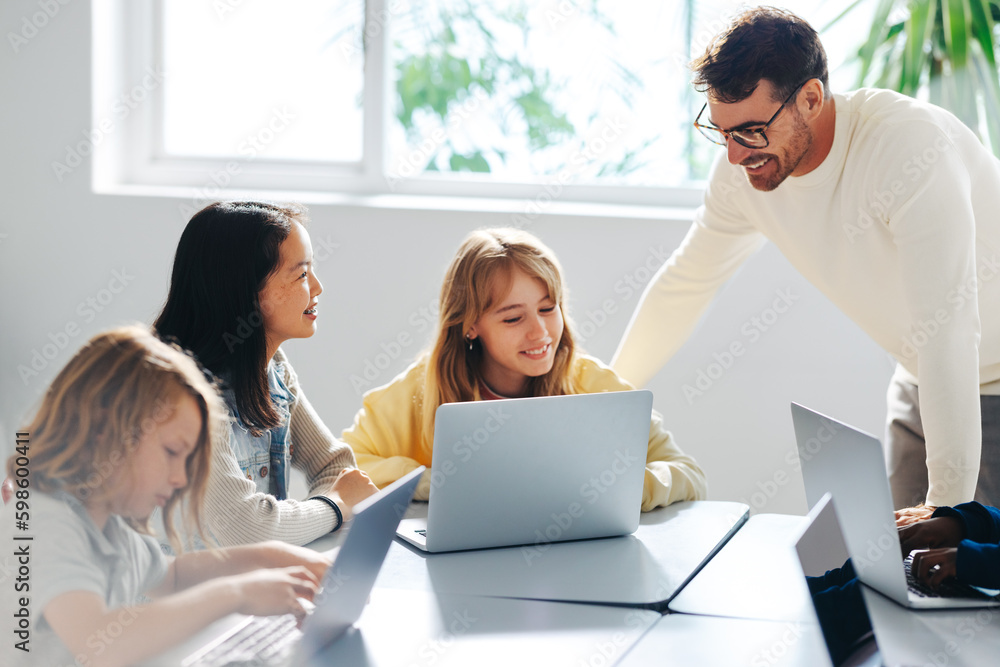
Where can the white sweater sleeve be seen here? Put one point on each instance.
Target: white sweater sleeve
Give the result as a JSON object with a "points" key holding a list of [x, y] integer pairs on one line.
{"points": [[933, 228], [237, 513], [716, 245]]}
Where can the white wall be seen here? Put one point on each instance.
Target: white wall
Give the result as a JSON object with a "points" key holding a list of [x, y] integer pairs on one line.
{"points": [[61, 245]]}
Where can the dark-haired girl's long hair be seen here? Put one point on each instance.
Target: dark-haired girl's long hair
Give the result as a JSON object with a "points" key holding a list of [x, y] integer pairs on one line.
{"points": [[224, 258]]}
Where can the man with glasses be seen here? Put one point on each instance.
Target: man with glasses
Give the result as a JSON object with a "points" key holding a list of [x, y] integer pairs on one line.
{"points": [[888, 205]]}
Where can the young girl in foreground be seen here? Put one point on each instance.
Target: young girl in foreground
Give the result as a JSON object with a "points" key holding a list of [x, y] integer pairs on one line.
{"points": [[502, 333], [243, 283], [124, 428]]}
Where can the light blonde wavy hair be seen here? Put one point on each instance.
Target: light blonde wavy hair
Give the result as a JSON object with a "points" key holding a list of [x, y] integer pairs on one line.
{"points": [[114, 391], [479, 276]]}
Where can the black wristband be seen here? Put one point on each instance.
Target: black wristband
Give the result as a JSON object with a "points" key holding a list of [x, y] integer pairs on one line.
{"points": [[340, 515]]}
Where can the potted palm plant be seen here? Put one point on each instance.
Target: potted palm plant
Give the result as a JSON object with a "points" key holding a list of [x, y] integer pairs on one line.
{"points": [[945, 49]]}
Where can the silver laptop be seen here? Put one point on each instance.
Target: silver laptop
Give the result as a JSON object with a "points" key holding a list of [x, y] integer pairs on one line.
{"points": [[534, 471], [848, 463], [275, 640]]}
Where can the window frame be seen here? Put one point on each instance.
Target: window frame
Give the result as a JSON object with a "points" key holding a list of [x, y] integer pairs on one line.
{"points": [[128, 43]]}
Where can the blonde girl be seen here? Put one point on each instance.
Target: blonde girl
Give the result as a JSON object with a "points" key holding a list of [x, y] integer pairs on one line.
{"points": [[125, 428], [502, 333]]}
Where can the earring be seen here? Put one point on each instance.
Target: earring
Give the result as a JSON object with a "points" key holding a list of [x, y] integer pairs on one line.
{"points": [[469, 341]]}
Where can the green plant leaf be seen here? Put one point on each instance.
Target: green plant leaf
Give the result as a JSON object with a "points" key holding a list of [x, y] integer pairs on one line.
{"points": [[918, 29], [850, 8], [956, 32], [982, 28], [867, 52], [475, 162]]}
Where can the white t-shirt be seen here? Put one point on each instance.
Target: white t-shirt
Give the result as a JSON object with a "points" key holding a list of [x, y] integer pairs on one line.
{"points": [[900, 228]]}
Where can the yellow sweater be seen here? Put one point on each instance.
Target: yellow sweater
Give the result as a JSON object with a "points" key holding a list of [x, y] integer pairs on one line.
{"points": [[386, 437]]}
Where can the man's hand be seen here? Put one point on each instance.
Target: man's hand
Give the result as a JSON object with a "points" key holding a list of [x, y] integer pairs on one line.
{"points": [[934, 566], [937, 533], [7, 490], [910, 515]]}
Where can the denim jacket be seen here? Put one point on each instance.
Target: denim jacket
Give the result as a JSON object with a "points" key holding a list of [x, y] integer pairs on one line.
{"points": [[265, 459]]}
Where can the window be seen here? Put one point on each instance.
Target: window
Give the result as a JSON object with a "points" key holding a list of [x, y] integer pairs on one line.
{"points": [[589, 99]]}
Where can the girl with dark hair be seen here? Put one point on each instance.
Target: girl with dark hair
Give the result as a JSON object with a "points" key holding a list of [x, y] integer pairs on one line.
{"points": [[243, 283], [502, 333]]}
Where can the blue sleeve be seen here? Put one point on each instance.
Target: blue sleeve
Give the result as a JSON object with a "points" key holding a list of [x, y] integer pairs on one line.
{"points": [[981, 523], [978, 564], [978, 560]]}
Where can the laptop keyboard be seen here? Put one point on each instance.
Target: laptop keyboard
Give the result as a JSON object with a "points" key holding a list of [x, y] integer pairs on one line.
{"points": [[265, 640], [947, 589]]}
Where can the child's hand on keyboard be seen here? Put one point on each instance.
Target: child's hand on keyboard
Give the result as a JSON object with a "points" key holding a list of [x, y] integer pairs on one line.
{"points": [[934, 566], [271, 592], [281, 554], [936, 533]]}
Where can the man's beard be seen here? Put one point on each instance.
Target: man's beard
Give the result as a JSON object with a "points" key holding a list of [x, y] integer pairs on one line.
{"points": [[781, 167]]}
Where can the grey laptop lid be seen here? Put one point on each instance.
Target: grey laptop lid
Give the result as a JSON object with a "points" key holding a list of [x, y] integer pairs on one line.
{"points": [[346, 584], [849, 464], [349, 580], [537, 470]]}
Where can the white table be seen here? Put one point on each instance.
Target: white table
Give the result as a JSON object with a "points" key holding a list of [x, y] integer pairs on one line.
{"points": [[644, 569], [707, 641], [753, 576], [404, 628]]}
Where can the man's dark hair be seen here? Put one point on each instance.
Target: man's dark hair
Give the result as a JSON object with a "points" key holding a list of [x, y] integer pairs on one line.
{"points": [[761, 43]]}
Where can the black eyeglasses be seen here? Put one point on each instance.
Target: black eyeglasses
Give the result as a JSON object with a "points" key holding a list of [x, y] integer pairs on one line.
{"points": [[750, 138]]}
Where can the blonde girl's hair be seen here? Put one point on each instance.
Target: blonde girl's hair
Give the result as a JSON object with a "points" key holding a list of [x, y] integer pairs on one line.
{"points": [[115, 390], [480, 274]]}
